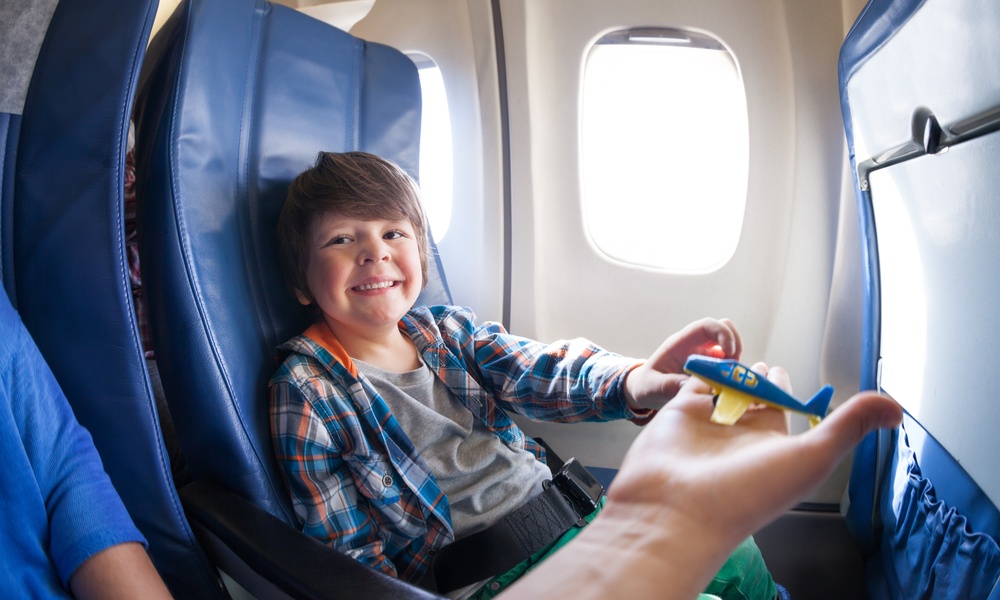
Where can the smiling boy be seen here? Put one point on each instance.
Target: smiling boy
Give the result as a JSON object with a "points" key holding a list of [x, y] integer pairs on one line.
{"points": [[391, 422]]}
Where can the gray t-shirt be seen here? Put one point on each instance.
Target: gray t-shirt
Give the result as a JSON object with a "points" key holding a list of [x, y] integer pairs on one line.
{"points": [[483, 477]]}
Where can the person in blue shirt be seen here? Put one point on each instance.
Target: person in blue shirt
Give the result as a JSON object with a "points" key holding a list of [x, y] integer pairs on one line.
{"points": [[64, 531]]}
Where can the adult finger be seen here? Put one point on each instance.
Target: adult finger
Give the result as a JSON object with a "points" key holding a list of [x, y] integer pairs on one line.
{"points": [[779, 377], [847, 425]]}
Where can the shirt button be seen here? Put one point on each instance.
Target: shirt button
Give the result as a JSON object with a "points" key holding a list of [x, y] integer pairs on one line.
{"points": [[387, 480], [494, 586]]}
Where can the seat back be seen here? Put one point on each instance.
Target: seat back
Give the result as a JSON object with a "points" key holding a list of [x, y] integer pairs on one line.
{"points": [[238, 97], [920, 85], [65, 267]]}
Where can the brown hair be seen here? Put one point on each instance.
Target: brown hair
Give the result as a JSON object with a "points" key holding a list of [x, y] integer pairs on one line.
{"points": [[358, 185]]}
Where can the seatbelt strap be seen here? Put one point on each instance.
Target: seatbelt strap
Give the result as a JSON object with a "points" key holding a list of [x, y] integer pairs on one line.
{"points": [[566, 500]]}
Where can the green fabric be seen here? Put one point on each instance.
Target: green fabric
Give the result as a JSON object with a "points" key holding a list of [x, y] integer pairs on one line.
{"points": [[743, 577]]}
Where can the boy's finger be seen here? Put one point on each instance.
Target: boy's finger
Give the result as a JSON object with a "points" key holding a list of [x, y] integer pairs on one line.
{"points": [[737, 348], [672, 384]]}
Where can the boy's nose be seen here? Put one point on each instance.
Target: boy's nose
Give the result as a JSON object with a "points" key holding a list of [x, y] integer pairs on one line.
{"points": [[374, 252]]}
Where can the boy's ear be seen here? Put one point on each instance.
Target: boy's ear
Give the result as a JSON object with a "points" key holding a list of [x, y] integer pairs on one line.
{"points": [[303, 298]]}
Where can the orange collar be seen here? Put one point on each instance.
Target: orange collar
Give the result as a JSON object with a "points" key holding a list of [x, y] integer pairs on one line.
{"points": [[321, 333]]}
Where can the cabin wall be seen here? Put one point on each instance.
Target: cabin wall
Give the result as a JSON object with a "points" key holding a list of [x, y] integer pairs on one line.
{"points": [[778, 285]]}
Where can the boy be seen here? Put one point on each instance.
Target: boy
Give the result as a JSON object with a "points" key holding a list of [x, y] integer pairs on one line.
{"points": [[390, 422]]}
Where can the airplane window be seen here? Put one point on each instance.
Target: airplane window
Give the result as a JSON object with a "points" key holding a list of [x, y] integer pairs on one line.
{"points": [[435, 147], [664, 149]]}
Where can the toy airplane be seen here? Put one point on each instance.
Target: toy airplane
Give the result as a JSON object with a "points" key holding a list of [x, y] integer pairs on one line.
{"points": [[737, 387]]}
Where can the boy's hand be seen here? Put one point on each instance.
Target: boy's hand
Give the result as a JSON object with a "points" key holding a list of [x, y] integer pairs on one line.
{"points": [[654, 383]]}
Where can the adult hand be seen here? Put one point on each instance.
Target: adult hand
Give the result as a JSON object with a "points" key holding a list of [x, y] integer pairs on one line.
{"points": [[690, 490], [734, 479]]}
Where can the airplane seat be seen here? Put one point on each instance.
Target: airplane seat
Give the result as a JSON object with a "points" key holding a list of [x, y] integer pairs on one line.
{"points": [[63, 253], [10, 126], [235, 99], [920, 95]]}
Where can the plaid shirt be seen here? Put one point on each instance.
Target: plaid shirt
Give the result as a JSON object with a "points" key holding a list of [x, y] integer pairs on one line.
{"points": [[355, 478]]}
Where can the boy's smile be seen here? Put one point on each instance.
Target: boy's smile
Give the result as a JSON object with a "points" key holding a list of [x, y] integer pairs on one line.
{"points": [[363, 275]]}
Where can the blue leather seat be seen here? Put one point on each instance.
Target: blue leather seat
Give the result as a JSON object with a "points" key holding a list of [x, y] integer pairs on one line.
{"points": [[236, 98], [64, 263]]}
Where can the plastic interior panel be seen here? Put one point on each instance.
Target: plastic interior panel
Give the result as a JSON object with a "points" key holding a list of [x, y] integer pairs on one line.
{"points": [[945, 58], [938, 244]]}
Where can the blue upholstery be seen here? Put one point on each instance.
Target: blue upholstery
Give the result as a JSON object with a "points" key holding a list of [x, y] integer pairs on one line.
{"points": [[935, 519], [65, 267], [10, 128], [237, 98]]}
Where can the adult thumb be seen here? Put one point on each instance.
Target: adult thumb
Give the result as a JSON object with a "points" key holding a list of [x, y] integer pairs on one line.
{"points": [[849, 423]]}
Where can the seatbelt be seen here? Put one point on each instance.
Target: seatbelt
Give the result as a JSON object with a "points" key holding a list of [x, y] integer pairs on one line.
{"points": [[566, 500], [553, 460]]}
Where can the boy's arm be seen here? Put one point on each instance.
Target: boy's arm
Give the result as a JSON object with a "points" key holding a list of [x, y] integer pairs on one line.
{"points": [[566, 381], [322, 488], [575, 380]]}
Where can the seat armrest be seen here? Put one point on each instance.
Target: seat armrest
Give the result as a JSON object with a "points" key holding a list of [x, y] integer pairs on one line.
{"points": [[271, 559]]}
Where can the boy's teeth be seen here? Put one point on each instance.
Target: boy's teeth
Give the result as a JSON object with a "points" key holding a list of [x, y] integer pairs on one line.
{"points": [[375, 286]]}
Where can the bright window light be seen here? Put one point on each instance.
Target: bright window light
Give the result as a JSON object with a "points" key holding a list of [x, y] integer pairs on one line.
{"points": [[435, 148], [665, 150]]}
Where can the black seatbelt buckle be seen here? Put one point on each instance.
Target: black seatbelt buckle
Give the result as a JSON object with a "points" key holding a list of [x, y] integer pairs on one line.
{"points": [[579, 487]]}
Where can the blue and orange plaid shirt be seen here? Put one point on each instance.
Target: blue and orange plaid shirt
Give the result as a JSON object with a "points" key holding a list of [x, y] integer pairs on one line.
{"points": [[356, 481]]}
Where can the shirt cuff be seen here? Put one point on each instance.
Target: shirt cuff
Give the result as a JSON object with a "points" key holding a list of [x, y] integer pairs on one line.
{"points": [[639, 416]]}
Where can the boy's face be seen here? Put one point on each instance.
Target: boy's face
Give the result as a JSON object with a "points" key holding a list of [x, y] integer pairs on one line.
{"points": [[363, 275]]}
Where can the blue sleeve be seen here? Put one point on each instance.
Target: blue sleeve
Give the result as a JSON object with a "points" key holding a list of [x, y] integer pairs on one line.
{"points": [[62, 469]]}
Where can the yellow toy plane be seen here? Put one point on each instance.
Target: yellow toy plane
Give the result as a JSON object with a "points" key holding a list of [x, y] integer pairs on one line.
{"points": [[737, 387]]}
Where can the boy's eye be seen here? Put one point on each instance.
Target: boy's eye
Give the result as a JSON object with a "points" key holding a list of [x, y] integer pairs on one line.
{"points": [[338, 239], [394, 235]]}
